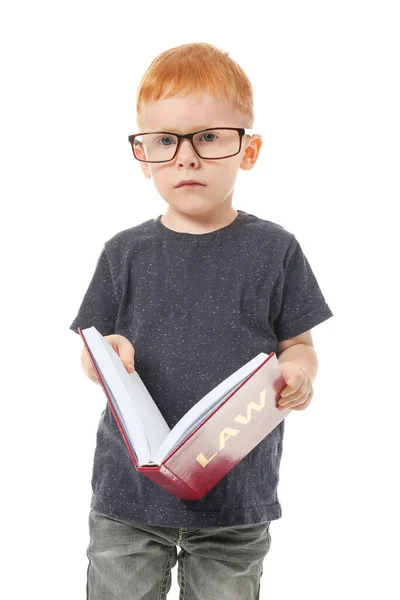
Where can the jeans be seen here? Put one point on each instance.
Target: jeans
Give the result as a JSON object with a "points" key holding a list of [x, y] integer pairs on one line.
{"points": [[133, 561]]}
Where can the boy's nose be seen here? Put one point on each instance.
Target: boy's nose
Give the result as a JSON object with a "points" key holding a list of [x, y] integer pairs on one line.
{"points": [[186, 151]]}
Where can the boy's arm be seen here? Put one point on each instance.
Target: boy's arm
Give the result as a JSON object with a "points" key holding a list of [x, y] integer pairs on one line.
{"points": [[300, 351]]}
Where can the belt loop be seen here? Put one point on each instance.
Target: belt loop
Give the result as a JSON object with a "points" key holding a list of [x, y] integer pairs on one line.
{"points": [[180, 534]]}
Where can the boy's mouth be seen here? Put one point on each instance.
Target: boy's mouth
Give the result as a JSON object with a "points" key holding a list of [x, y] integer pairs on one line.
{"points": [[188, 183]]}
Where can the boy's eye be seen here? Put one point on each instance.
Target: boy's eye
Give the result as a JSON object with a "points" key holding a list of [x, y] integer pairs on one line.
{"points": [[208, 136], [166, 138], [208, 133]]}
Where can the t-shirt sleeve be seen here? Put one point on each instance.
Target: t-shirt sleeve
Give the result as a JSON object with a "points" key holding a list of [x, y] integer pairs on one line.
{"points": [[301, 304], [99, 307]]}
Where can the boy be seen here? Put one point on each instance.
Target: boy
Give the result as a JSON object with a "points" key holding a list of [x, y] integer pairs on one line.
{"points": [[188, 298]]}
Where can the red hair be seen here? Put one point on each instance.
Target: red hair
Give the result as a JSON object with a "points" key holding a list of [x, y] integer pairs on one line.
{"points": [[194, 69]]}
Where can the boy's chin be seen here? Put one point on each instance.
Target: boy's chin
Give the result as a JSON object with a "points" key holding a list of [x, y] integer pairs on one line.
{"points": [[192, 206]]}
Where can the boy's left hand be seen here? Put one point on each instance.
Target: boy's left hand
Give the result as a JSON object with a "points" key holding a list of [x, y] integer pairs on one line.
{"points": [[297, 393]]}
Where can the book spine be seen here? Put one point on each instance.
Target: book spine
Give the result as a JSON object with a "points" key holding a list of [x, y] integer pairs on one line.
{"points": [[170, 482]]}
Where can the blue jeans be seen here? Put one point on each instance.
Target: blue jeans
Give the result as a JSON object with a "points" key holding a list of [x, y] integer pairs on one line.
{"points": [[133, 561]]}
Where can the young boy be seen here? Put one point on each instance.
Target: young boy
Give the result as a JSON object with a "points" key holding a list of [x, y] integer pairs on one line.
{"points": [[188, 298]]}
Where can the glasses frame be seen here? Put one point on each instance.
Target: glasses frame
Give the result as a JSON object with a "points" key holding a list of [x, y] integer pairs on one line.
{"points": [[189, 136]]}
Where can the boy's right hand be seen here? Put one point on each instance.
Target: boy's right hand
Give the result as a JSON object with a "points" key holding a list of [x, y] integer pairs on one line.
{"points": [[122, 347]]}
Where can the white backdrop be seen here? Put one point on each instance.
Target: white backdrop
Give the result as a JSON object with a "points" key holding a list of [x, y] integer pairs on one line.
{"points": [[326, 85]]}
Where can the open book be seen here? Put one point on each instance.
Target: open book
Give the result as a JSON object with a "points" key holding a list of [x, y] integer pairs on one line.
{"points": [[209, 440]]}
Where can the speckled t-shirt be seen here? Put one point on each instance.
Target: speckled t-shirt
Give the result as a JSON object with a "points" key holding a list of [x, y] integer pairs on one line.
{"points": [[196, 307]]}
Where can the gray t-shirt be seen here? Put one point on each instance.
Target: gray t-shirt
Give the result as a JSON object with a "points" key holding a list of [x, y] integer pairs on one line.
{"points": [[196, 307]]}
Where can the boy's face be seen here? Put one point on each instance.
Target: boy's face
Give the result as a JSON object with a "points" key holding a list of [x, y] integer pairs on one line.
{"points": [[186, 115]]}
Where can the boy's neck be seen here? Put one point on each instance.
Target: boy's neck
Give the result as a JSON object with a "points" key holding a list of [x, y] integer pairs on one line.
{"points": [[198, 224]]}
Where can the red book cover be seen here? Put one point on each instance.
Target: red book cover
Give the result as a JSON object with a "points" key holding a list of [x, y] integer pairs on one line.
{"points": [[234, 428]]}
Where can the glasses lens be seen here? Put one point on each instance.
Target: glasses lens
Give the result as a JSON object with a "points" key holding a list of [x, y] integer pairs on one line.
{"points": [[214, 143], [155, 146]]}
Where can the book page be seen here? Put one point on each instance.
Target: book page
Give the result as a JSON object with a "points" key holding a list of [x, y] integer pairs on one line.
{"points": [[207, 404], [140, 417]]}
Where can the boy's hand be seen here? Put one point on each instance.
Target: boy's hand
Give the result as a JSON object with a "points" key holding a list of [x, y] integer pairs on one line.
{"points": [[122, 347], [297, 393]]}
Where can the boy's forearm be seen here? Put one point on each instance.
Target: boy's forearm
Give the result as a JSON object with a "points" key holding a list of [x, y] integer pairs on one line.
{"points": [[303, 355]]}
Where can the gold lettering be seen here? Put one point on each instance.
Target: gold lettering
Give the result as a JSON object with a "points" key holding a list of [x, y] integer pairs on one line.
{"points": [[229, 432], [203, 460], [258, 407]]}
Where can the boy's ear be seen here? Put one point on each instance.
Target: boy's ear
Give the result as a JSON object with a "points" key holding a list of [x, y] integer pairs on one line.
{"points": [[251, 153]]}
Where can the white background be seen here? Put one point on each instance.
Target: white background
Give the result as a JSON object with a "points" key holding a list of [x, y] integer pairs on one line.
{"points": [[326, 97]]}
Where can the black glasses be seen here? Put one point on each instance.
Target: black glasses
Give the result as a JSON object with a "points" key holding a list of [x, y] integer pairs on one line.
{"points": [[212, 143]]}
